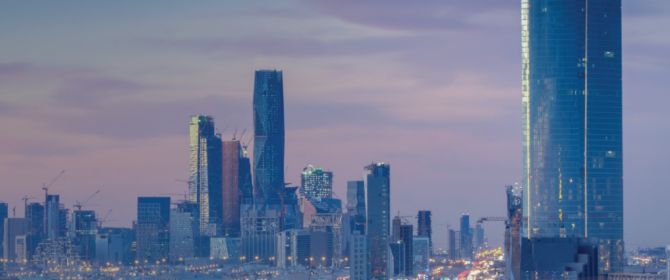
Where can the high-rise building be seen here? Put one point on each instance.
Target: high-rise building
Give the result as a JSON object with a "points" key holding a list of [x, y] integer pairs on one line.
{"points": [[358, 257], [407, 242], [424, 226], [85, 232], [572, 123], [236, 185], [183, 231], [35, 215], [268, 135], [152, 229], [316, 183], [52, 216], [13, 229], [421, 255], [452, 250], [513, 231], [114, 245], [378, 217], [4, 214], [395, 228], [466, 237], [479, 239], [205, 173], [356, 197]]}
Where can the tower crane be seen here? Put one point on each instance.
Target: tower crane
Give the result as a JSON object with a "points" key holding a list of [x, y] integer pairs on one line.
{"points": [[79, 205], [25, 199], [45, 186], [491, 219]]}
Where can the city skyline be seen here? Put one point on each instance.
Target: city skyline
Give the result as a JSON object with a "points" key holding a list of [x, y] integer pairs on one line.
{"points": [[116, 140]]}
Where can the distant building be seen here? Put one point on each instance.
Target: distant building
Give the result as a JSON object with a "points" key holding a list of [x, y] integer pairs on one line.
{"points": [[407, 242], [354, 218], [421, 253], [395, 229], [236, 185], [85, 231], [224, 248], [35, 215], [260, 227], [358, 256], [512, 242], [424, 226], [4, 214], [153, 219], [205, 174], [378, 217], [558, 258], [316, 183], [479, 237], [453, 250], [52, 217], [183, 231], [114, 245], [14, 228], [466, 237], [293, 248], [268, 162]]}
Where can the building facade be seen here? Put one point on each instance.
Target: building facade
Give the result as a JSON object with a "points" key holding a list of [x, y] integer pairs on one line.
{"points": [[152, 228], [424, 226], [205, 173], [378, 218], [572, 123], [316, 183], [236, 185], [465, 237], [268, 135]]}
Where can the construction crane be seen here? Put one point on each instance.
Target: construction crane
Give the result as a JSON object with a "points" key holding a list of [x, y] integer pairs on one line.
{"points": [[104, 218], [79, 205], [45, 186]]}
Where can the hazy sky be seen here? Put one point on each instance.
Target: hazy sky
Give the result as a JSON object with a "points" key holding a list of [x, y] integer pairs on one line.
{"points": [[103, 89]]}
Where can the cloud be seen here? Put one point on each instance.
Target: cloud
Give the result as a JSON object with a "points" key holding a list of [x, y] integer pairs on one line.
{"points": [[93, 91]]}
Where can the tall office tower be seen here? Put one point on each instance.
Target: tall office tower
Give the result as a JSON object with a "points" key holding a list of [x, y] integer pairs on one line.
{"points": [[35, 215], [205, 173], [358, 257], [52, 216], [572, 129], [152, 229], [453, 251], [424, 226], [513, 231], [316, 183], [236, 182], [4, 214], [14, 228], [85, 232], [479, 237], [183, 231], [378, 217], [356, 197], [395, 228], [354, 219], [268, 136], [466, 237], [421, 254], [407, 241]]}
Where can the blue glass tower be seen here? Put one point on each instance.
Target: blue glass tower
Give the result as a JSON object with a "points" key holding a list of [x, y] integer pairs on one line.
{"points": [[378, 218], [572, 129], [268, 136]]}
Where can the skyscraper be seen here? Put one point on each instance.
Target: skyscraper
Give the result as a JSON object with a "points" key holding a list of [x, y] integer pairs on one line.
{"points": [[183, 231], [13, 229], [85, 230], [268, 135], [466, 237], [572, 128], [316, 183], [35, 215], [4, 211], [52, 219], [236, 182], [407, 241], [453, 250], [153, 219], [424, 226], [205, 173], [378, 217]]}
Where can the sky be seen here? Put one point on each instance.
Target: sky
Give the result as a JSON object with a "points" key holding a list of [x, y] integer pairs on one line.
{"points": [[104, 90]]}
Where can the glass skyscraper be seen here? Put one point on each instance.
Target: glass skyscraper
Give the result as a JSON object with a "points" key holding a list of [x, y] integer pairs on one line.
{"points": [[378, 217], [205, 173], [316, 183], [572, 142], [152, 228], [268, 135]]}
